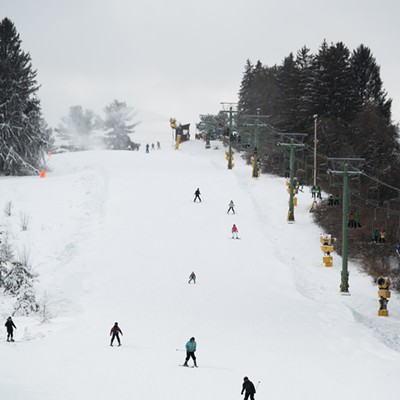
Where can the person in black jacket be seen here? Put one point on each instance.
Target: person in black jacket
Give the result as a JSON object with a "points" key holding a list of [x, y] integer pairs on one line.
{"points": [[197, 195], [10, 329], [248, 388], [115, 331]]}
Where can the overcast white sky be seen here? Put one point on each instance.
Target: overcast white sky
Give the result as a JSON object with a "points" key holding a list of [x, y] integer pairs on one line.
{"points": [[183, 58]]}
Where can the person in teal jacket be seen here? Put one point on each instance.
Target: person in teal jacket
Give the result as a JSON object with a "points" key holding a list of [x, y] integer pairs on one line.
{"points": [[190, 350]]}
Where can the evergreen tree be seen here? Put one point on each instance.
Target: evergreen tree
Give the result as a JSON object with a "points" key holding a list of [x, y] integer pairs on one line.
{"points": [[118, 116], [368, 87], [245, 93], [288, 77], [22, 141], [76, 128]]}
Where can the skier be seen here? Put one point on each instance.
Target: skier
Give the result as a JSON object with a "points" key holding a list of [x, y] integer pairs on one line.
{"points": [[330, 200], [313, 191], [319, 192], [10, 329], [231, 207], [115, 331], [192, 277], [158, 146], [197, 195], [248, 388], [235, 232], [152, 146], [147, 148], [398, 249], [190, 350]]}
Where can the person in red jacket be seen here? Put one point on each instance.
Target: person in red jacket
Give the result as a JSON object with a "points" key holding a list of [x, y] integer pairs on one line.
{"points": [[115, 331], [235, 232]]}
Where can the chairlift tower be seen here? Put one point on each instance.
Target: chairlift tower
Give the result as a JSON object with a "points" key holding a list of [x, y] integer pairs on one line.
{"points": [[340, 166], [292, 145], [230, 108], [256, 121]]}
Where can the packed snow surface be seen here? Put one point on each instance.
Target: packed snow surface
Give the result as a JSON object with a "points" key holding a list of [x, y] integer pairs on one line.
{"points": [[114, 236]]}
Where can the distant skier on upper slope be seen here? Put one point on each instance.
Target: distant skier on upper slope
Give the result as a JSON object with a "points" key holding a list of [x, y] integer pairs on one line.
{"points": [[115, 331], [197, 195]]}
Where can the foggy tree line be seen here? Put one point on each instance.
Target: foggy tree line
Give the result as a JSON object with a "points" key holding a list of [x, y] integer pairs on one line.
{"points": [[82, 128], [25, 137]]}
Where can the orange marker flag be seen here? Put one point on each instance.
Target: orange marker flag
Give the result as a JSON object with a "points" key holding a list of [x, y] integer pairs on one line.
{"points": [[42, 174]]}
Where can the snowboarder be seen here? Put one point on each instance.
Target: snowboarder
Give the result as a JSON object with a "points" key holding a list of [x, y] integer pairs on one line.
{"points": [[235, 232], [197, 195], [115, 331], [248, 388], [10, 329], [192, 277], [231, 207], [190, 350]]}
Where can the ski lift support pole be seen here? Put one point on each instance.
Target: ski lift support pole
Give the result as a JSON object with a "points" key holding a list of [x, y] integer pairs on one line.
{"points": [[292, 146], [344, 284], [230, 111]]}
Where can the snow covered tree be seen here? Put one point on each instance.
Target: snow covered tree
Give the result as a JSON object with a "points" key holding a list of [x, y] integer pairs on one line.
{"points": [[77, 127], [18, 278], [22, 140], [118, 125]]}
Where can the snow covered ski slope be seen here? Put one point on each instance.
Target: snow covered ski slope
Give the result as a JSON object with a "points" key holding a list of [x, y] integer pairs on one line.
{"points": [[114, 237]]}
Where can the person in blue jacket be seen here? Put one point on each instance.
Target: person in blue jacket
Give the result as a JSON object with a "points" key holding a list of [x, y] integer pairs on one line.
{"points": [[190, 350]]}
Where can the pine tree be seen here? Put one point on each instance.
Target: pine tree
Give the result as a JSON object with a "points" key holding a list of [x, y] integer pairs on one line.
{"points": [[367, 82], [117, 123], [245, 93], [22, 141], [288, 78], [77, 127]]}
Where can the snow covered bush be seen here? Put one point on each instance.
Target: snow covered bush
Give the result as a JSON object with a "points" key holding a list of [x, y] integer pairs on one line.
{"points": [[8, 209], [18, 278]]}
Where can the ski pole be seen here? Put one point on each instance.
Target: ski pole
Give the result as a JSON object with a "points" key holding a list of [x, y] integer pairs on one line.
{"points": [[180, 350], [258, 384]]}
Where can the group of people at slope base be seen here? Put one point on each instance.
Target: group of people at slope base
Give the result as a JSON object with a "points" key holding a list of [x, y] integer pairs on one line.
{"points": [[231, 207], [152, 147]]}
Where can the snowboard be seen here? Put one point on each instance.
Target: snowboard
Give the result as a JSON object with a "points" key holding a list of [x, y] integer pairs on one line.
{"points": [[187, 366]]}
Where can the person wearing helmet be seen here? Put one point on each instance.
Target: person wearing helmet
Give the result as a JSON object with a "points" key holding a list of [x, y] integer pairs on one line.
{"points": [[248, 388], [192, 277], [115, 331], [190, 350], [10, 329]]}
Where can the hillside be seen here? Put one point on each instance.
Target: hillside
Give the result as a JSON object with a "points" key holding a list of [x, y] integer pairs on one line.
{"points": [[114, 236]]}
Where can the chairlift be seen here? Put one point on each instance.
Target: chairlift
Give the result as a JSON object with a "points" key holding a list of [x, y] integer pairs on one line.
{"points": [[372, 196]]}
